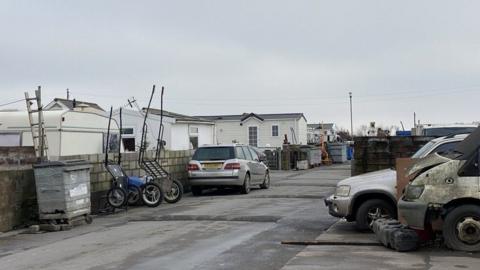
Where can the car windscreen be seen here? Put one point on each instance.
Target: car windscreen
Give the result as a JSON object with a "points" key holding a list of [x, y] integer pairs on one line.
{"points": [[214, 153], [446, 131], [424, 150]]}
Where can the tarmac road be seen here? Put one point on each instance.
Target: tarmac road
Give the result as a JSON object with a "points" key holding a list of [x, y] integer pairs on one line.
{"points": [[220, 230]]}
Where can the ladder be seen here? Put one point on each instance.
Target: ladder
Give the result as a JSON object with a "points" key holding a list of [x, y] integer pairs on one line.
{"points": [[37, 127]]}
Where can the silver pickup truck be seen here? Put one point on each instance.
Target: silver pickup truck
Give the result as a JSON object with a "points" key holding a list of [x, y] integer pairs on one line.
{"points": [[370, 196]]}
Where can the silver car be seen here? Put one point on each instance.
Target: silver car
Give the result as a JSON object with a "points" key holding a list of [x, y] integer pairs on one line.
{"points": [[365, 197], [232, 165]]}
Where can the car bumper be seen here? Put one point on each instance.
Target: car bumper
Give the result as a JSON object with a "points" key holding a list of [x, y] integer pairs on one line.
{"points": [[216, 181], [413, 212], [338, 206]]}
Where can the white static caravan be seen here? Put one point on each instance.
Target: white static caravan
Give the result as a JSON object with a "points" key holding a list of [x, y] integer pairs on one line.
{"points": [[68, 132], [132, 124]]}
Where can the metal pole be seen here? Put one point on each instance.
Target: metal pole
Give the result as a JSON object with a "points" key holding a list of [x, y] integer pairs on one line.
{"points": [[144, 130], [41, 134], [160, 130], [120, 139], [351, 115], [107, 143]]}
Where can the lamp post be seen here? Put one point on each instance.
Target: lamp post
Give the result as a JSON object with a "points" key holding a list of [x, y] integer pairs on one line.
{"points": [[351, 115]]}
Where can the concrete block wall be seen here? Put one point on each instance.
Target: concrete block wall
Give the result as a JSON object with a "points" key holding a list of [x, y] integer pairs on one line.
{"points": [[17, 157], [18, 201], [174, 162]]}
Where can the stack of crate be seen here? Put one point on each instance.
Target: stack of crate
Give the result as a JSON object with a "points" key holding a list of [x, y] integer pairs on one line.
{"points": [[377, 153]]}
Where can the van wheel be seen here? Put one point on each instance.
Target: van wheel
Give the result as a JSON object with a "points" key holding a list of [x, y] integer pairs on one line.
{"points": [[371, 210], [461, 228], [245, 189], [266, 181]]}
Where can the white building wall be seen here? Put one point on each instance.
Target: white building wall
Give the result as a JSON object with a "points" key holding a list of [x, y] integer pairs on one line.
{"points": [[180, 138], [229, 131], [134, 119], [302, 131], [206, 134], [68, 132]]}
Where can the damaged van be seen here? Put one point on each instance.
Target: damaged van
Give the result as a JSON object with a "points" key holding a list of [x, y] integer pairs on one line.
{"points": [[444, 195]]}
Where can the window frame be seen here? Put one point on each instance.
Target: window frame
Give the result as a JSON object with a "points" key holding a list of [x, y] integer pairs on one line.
{"points": [[278, 130], [257, 135]]}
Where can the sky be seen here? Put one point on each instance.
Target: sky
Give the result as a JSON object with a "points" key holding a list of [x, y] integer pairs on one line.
{"points": [[270, 56]]}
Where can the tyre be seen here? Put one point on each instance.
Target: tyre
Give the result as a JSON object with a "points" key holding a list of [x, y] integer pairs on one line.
{"points": [[196, 191], [245, 189], [88, 219], [266, 181], [134, 195], [116, 197], [461, 228], [371, 210], [176, 192], [152, 195]]}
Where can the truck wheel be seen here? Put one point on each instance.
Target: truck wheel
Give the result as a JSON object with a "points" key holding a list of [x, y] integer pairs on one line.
{"points": [[461, 228], [371, 210]]}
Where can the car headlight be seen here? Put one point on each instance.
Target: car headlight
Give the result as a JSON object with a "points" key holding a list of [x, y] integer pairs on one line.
{"points": [[342, 191], [414, 192]]}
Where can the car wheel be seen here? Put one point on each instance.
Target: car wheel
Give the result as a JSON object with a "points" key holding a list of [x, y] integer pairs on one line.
{"points": [[196, 191], [245, 189], [461, 228], [371, 210], [266, 181]]}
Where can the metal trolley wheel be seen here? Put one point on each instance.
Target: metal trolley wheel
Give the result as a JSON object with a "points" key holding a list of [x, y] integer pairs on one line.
{"points": [[176, 192], [152, 195], [116, 197]]}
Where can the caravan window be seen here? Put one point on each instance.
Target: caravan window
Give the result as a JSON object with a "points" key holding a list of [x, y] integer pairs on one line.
{"points": [[10, 139]]}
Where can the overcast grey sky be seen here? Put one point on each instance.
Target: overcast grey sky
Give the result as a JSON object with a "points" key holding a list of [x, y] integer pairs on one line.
{"points": [[272, 56]]}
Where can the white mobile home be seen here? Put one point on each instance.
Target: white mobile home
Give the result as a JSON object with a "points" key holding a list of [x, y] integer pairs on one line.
{"points": [[260, 130], [132, 124], [188, 132], [181, 132], [68, 132]]}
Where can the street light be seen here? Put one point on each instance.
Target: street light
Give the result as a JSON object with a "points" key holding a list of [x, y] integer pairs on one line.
{"points": [[351, 115]]}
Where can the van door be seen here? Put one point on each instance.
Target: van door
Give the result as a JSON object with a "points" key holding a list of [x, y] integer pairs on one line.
{"points": [[469, 177]]}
